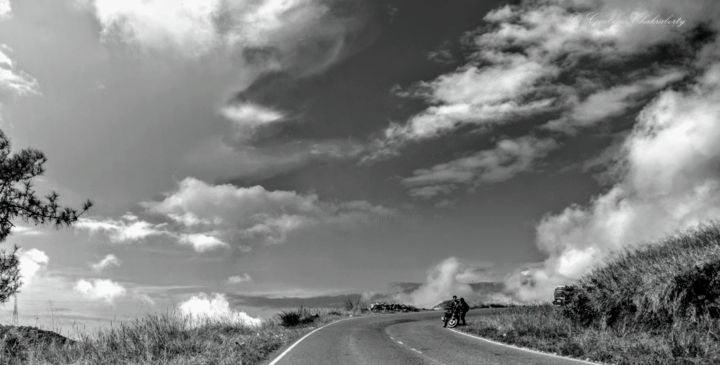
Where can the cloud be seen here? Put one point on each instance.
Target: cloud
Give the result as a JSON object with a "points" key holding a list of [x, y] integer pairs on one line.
{"points": [[202, 242], [160, 24], [5, 9], [202, 307], [25, 231], [32, 263], [668, 181], [13, 81], [126, 229], [107, 261], [209, 217], [611, 102], [254, 214], [239, 279], [471, 95], [249, 114], [507, 159], [100, 289], [306, 35], [252, 122], [529, 60], [441, 284]]}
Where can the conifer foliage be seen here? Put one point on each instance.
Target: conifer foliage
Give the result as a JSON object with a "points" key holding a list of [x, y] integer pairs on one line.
{"points": [[20, 201]]}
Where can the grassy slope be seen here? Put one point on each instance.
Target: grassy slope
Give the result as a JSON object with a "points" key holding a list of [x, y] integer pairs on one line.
{"points": [[171, 339], [657, 305]]}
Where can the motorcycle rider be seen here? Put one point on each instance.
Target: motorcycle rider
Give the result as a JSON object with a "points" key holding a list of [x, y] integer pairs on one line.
{"points": [[452, 308]]}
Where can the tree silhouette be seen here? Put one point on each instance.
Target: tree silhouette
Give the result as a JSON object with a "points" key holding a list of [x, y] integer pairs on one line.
{"points": [[20, 201]]}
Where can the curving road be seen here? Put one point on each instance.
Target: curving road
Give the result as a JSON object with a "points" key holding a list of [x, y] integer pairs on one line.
{"points": [[409, 338]]}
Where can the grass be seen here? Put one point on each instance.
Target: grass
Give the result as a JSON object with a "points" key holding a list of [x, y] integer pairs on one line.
{"points": [[170, 339], [675, 281], [547, 329], [655, 305]]}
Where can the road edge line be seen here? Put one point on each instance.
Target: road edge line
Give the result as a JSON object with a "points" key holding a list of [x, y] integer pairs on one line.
{"points": [[279, 357], [523, 348]]}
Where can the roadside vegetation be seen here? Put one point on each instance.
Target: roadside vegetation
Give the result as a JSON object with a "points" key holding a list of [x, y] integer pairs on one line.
{"points": [[655, 305], [165, 339]]}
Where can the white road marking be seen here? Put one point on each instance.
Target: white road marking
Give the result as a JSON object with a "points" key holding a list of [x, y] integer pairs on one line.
{"points": [[522, 348], [274, 362], [416, 350], [400, 342]]}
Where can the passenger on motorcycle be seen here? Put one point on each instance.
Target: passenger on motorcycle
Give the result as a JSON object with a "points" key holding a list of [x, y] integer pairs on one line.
{"points": [[464, 308]]}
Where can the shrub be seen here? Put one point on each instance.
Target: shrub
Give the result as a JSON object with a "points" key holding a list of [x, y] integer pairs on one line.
{"points": [[300, 316]]}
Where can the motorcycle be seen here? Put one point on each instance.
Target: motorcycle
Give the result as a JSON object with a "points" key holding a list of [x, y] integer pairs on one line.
{"points": [[454, 318]]}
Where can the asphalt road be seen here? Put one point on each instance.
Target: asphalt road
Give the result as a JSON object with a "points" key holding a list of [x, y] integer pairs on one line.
{"points": [[409, 338]]}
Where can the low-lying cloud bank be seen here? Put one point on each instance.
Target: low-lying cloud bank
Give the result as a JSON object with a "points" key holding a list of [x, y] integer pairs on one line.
{"points": [[452, 277], [203, 308]]}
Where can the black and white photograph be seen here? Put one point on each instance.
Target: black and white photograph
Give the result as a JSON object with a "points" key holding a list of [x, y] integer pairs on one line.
{"points": [[360, 182]]}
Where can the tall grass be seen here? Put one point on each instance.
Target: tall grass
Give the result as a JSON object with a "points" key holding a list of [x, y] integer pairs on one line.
{"points": [[167, 339], [676, 281], [545, 328]]}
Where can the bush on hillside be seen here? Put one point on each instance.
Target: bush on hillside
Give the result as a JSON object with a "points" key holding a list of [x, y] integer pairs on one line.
{"points": [[300, 316], [677, 280], [16, 341]]}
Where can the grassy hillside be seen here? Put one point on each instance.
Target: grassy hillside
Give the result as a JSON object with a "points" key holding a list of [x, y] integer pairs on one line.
{"points": [[674, 282], [655, 305], [167, 339]]}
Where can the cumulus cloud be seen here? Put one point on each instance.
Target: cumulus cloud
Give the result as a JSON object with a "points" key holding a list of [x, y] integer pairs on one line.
{"points": [[106, 262], [254, 214], [100, 289], [32, 263], [507, 159], [209, 217], [202, 242], [668, 181], [202, 308], [239, 279]]}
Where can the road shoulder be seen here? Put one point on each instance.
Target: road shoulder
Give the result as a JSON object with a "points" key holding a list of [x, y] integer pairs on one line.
{"points": [[532, 351]]}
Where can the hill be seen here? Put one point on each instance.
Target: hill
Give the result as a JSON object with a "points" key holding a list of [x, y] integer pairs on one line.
{"points": [[659, 304], [676, 281]]}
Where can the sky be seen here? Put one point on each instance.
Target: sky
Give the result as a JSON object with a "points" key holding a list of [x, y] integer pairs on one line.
{"points": [[242, 152]]}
